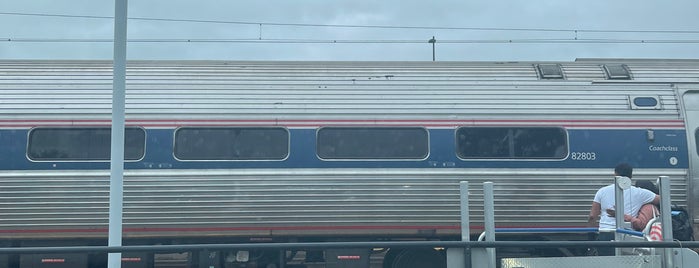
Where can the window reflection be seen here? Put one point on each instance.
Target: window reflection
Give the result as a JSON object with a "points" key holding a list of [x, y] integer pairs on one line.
{"points": [[231, 143], [511, 142], [372, 143], [82, 144]]}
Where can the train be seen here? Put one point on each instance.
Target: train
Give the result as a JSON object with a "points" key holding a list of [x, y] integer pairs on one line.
{"points": [[285, 151]]}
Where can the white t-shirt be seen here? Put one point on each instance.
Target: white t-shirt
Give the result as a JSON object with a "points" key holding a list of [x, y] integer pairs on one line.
{"points": [[634, 199]]}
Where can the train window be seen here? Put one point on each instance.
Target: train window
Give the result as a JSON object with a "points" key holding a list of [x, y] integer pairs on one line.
{"points": [[645, 102], [82, 144], [511, 143], [231, 143], [372, 143]]}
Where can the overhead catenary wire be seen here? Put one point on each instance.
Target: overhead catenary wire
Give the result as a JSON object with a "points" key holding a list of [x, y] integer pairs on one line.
{"points": [[360, 26], [576, 39], [359, 41]]}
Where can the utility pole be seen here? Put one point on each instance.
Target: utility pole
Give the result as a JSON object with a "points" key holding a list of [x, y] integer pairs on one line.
{"points": [[432, 41], [116, 179]]}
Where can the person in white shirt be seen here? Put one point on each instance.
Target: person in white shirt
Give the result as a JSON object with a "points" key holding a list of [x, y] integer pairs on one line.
{"points": [[634, 198]]}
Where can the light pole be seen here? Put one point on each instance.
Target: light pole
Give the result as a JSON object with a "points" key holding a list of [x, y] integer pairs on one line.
{"points": [[432, 41], [116, 179]]}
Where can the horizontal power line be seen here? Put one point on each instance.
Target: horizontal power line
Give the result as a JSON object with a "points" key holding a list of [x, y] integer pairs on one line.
{"points": [[347, 41], [358, 26]]}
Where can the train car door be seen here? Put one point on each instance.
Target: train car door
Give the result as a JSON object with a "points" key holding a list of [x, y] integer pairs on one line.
{"points": [[690, 100]]}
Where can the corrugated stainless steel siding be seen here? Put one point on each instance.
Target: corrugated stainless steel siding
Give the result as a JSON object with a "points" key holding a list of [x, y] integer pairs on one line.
{"points": [[187, 199], [187, 89]]}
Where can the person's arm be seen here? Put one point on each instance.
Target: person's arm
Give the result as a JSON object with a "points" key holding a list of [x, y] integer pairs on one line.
{"points": [[595, 211], [644, 216], [656, 200]]}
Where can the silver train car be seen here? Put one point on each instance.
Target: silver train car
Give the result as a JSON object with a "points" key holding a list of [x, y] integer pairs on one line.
{"points": [[223, 151]]}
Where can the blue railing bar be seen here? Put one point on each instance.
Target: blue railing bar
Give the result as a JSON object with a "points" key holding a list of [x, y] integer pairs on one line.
{"points": [[630, 232], [328, 245], [563, 230]]}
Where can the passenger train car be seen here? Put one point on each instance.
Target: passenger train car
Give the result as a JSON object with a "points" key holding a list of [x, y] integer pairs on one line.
{"points": [[237, 152]]}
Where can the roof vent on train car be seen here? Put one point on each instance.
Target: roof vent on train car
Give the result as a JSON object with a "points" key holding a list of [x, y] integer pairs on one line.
{"points": [[617, 71], [644, 102], [550, 71]]}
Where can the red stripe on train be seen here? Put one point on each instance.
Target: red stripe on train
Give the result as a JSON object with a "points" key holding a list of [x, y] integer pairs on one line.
{"points": [[317, 121], [277, 228]]}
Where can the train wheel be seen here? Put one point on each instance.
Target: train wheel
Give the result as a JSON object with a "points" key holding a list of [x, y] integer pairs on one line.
{"points": [[415, 258]]}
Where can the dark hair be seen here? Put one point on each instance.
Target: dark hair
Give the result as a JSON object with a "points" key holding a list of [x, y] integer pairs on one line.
{"points": [[623, 169], [648, 185]]}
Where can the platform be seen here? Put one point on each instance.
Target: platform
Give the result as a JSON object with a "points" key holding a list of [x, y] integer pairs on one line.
{"points": [[649, 261]]}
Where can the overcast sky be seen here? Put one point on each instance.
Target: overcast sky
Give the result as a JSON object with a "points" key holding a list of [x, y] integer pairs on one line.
{"points": [[37, 33]]}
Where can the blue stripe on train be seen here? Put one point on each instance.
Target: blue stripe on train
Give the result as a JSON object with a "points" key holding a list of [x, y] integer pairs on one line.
{"points": [[609, 147]]}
